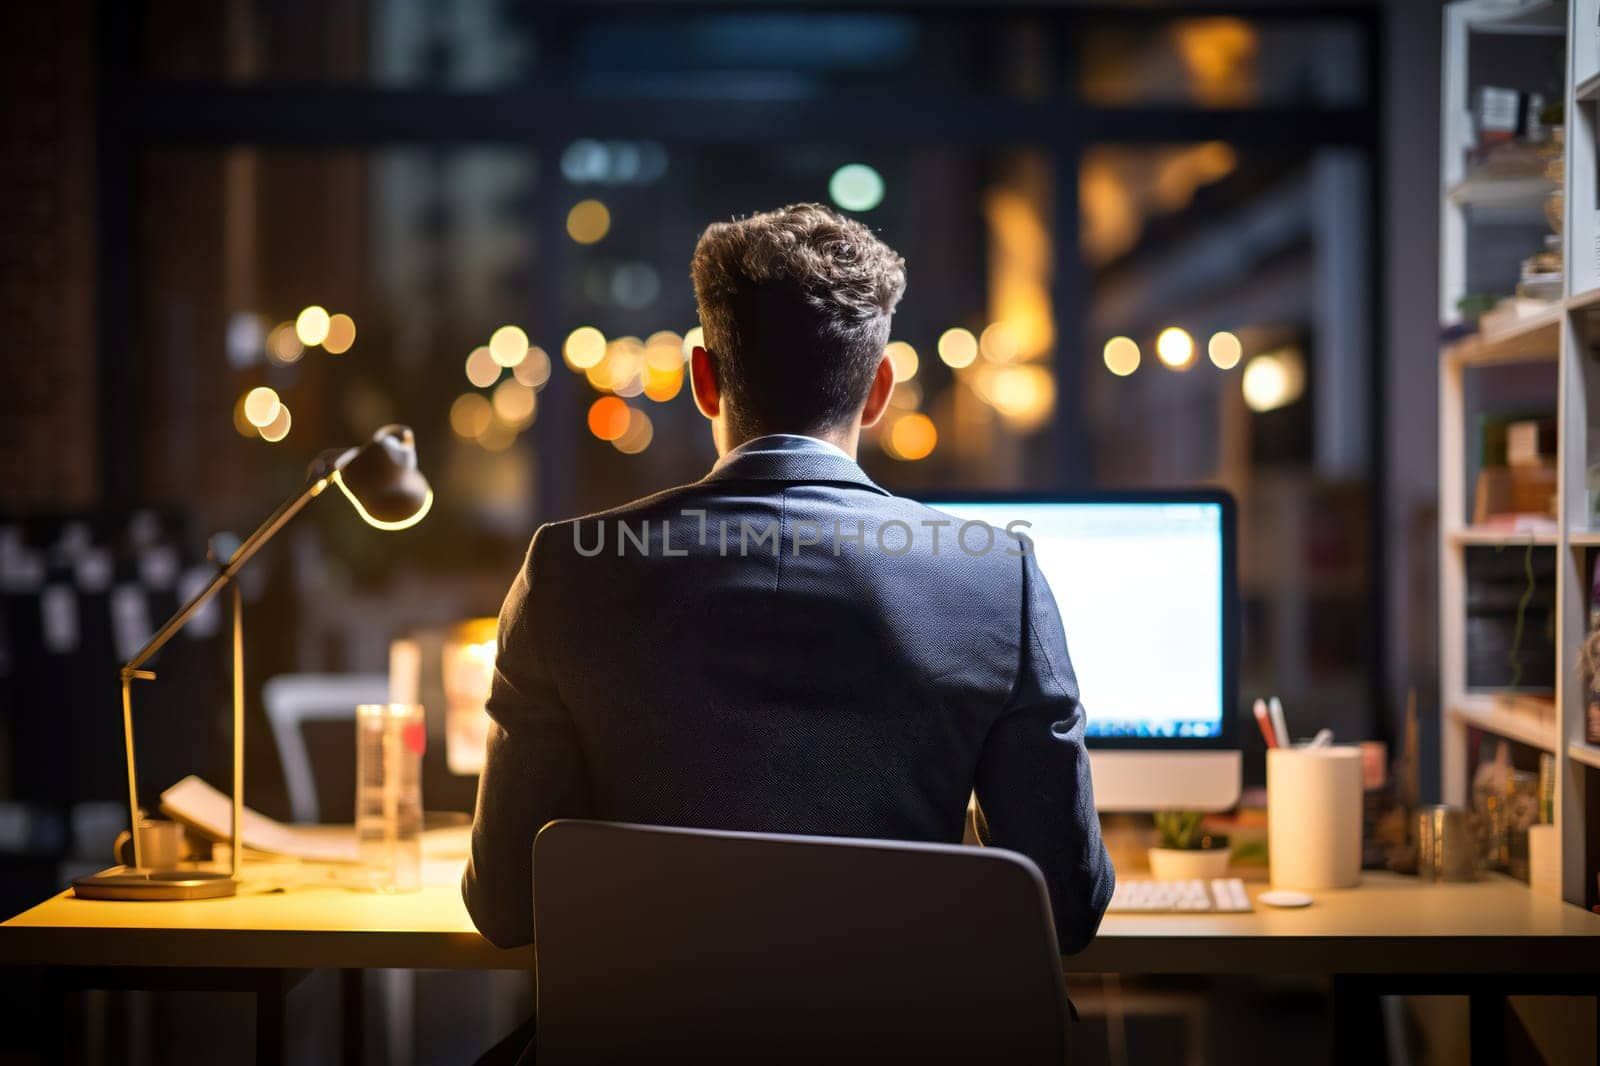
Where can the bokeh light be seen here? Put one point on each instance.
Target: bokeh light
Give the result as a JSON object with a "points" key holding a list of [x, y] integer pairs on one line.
{"points": [[341, 334], [1121, 355], [907, 396], [904, 359], [958, 347], [1225, 350], [1024, 396], [283, 346], [663, 350], [470, 415], [261, 406], [278, 428], [585, 347], [856, 187], [637, 437], [588, 221], [1273, 380], [508, 346], [241, 422], [482, 370], [912, 437], [311, 326], [662, 385], [534, 371], [1175, 347], [514, 403], [608, 418], [999, 343]]}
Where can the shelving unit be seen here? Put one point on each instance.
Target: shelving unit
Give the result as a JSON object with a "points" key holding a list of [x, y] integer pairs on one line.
{"points": [[1566, 334]]}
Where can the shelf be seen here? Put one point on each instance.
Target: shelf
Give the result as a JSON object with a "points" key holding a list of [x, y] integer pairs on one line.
{"points": [[1584, 538], [1588, 89], [1472, 536], [1541, 18], [1584, 301], [1519, 190], [1588, 754], [1521, 726], [1535, 338]]}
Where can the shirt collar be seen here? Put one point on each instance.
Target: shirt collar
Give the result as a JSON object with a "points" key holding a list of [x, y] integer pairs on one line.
{"points": [[782, 442]]}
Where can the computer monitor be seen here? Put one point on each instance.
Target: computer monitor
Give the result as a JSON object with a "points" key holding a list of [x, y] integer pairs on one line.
{"points": [[1146, 586]]}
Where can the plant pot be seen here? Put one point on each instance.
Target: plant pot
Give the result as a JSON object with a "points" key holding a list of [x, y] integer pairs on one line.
{"points": [[1188, 864]]}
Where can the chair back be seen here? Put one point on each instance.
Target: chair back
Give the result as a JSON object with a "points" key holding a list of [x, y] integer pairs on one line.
{"points": [[659, 944], [292, 700]]}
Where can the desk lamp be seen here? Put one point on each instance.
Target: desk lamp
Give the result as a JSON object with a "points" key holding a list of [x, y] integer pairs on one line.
{"points": [[381, 480]]}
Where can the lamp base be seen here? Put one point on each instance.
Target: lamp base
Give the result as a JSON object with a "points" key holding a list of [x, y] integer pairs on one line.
{"points": [[127, 883]]}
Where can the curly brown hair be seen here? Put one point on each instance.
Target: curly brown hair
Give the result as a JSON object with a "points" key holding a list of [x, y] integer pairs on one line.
{"points": [[795, 304]]}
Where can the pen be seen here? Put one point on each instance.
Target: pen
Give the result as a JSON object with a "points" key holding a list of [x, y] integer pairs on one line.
{"points": [[1260, 710], [1279, 726]]}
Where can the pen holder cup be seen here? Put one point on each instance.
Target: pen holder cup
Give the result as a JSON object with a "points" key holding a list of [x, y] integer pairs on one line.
{"points": [[1314, 816]]}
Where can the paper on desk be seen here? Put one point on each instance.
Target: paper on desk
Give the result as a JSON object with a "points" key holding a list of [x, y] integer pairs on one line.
{"points": [[196, 803]]}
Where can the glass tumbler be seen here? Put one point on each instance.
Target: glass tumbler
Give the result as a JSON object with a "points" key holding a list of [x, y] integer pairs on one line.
{"points": [[390, 738]]}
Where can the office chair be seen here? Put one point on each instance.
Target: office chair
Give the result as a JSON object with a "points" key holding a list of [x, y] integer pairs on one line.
{"points": [[664, 945]]}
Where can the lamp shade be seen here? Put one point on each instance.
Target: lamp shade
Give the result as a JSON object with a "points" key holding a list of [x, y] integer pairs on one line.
{"points": [[380, 479]]}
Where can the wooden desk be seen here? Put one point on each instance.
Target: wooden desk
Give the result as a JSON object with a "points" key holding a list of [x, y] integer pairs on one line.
{"points": [[1393, 934]]}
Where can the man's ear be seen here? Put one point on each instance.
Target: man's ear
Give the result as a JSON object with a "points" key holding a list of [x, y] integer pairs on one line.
{"points": [[878, 394], [703, 383]]}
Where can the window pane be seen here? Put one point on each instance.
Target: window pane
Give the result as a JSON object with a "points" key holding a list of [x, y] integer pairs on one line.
{"points": [[1228, 342], [969, 416]]}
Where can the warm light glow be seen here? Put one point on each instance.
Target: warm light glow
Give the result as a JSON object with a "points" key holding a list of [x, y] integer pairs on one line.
{"points": [[496, 437], [312, 326], [907, 396], [585, 347], [404, 523], [282, 344], [1023, 395], [1225, 350], [278, 428], [240, 422], [588, 221], [999, 343], [534, 371], [663, 350], [856, 187], [663, 385], [513, 403], [508, 346], [608, 418], [904, 359], [913, 437], [637, 437], [1273, 380], [470, 415], [1175, 347], [1121, 355], [958, 347], [482, 370], [341, 334], [261, 406], [694, 338]]}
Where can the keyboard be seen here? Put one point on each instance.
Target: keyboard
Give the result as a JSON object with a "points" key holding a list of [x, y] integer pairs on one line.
{"points": [[1222, 894]]}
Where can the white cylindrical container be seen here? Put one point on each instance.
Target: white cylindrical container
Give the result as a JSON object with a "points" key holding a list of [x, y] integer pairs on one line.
{"points": [[390, 738], [1314, 816], [1544, 860]]}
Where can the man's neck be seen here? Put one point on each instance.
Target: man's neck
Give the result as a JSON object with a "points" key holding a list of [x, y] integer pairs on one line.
{"points": [[845, 439]]}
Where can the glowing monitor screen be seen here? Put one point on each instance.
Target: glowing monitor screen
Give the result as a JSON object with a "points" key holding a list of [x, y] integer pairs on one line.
{"points": [[1140, 590]]}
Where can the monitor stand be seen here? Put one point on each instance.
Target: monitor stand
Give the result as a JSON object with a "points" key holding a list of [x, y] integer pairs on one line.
{"points": [[1143, 780]]}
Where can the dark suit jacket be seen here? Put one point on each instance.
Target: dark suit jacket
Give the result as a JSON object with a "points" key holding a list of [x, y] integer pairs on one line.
{"points": [[690, 659]]}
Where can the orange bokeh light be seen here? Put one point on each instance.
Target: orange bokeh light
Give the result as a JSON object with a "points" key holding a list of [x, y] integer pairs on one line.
{"points": [[608, 418]]}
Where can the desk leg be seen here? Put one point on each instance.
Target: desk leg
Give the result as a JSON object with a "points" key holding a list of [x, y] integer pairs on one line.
{"points": [[353, 1017], [270, 1011], [1357, 1021], [1486, 1014]]}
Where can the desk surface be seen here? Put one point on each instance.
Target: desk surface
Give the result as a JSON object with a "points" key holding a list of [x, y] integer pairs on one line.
{"points": [[307, 916]]}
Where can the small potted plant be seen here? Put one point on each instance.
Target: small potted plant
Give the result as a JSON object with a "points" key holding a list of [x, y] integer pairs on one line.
{"points": [[1185, 851]]}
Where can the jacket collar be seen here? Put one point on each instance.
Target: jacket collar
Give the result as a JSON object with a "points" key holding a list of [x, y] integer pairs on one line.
{"points": [[787, 457]]}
